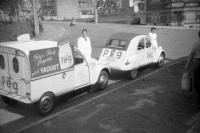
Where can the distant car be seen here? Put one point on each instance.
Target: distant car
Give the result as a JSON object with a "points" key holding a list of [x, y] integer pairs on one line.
{"points": [[135, 20], [39, 71], [129, 51]]}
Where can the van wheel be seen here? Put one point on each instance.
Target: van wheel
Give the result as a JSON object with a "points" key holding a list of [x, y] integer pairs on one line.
{"points": [[133, 74], [8, 100], [101, 83], [161, 60], [46, 103]]}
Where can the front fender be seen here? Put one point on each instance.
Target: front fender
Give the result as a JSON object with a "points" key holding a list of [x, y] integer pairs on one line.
{"points": [[159, 50], [96, 70], [131, 63]]}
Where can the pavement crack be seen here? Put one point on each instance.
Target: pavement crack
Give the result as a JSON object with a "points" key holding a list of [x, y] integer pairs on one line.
{"points": [[148, 91], [99, 107], [140, 103]]}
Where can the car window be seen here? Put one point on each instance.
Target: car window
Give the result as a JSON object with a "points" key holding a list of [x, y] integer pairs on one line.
{"points": [[114, 43], [148, 42], [78, 58], [122, 44], [141, 44], [119, 44], [2, 62]]}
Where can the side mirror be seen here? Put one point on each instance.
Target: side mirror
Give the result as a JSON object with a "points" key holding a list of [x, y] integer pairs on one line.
{"points": [[79, 60]]}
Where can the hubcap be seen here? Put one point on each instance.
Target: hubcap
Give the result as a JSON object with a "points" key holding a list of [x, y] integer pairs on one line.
{"points": [[133, 74], [103, 81], [46, 103], [161, 61]]}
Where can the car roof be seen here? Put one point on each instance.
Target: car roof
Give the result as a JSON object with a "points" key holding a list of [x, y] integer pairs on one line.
{"points": [[122, 36], [27, 46]]}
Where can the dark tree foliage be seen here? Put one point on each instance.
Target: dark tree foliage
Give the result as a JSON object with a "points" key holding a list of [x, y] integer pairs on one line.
{"points": [[106, 7], [10, 7]]}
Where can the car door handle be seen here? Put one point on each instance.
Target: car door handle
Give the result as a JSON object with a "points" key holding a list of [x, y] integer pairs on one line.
{"points": [[64, 75], [25, 81]]}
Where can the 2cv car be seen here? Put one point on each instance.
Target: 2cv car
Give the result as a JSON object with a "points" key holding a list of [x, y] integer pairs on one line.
{"points": [[129, 52], [36, 72]]}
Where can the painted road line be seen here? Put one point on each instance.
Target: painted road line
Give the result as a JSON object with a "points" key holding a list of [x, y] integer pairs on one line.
{"points": [[92, 99], [7, 117]]}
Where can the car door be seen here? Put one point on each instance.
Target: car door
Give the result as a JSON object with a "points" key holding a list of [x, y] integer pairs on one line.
{"points": [[81, 71], [149, 51], [141, 52]]}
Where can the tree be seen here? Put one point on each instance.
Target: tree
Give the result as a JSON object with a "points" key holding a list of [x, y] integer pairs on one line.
{"points": [[106, 7], [11, 7]]}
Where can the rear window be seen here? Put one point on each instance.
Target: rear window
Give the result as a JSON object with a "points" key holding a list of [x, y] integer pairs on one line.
{"points": [[2, 62], [148, 42], [141, 44], [15, 65], [119, 44]]}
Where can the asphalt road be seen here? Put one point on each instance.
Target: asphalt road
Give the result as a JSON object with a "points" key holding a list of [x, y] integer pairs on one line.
{"points": [[150, 104]]}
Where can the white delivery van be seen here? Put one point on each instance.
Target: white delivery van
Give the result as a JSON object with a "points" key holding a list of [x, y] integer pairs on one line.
{"points": [[39, 71]]}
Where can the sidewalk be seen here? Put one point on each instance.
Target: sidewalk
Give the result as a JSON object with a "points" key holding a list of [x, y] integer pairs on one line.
{"points": [[51, 32], [145, 26]]}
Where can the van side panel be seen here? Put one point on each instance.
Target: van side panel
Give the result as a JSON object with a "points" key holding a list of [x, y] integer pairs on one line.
{"points": [[58, 83]]}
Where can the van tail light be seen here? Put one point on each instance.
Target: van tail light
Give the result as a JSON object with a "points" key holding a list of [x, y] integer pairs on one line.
{"points": [[127, 62], [28, 93]]}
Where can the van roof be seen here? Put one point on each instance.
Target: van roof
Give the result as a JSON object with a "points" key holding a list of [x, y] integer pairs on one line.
{"points": [[27, 46]]}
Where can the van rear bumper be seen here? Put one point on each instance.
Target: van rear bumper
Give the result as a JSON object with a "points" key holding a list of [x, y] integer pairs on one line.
{"points": [[16, 97]]}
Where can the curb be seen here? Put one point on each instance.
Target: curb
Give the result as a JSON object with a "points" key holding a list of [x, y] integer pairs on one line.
{"points": [[129, 25]]}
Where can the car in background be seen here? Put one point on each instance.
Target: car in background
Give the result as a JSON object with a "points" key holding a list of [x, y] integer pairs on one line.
{"points": [[129, 52]]}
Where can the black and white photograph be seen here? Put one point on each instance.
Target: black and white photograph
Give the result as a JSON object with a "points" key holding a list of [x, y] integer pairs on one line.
{"points": [[99, 66]]}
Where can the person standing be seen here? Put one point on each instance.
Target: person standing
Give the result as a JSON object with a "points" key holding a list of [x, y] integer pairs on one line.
{"points": [[153, 37], [84, 44], [193, 66]]}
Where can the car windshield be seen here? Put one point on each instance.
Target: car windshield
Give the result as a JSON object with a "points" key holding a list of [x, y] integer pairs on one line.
{"points": [[119, 44]]}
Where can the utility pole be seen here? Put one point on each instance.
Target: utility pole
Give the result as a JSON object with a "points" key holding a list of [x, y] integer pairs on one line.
{"points": [[36, 21], [95, 11]]}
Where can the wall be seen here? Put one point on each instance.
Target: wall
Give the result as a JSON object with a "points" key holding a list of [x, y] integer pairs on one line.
{"points": [[66, 9]]}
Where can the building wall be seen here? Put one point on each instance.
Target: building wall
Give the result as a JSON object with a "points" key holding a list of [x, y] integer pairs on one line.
{"points": [[158, 11], [173, 12], [86, 8], [191, 12], [66, 9]]}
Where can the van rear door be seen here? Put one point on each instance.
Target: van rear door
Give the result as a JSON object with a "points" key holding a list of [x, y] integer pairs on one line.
{"points": [[4, 72], [14, 72], [18, 67]]}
